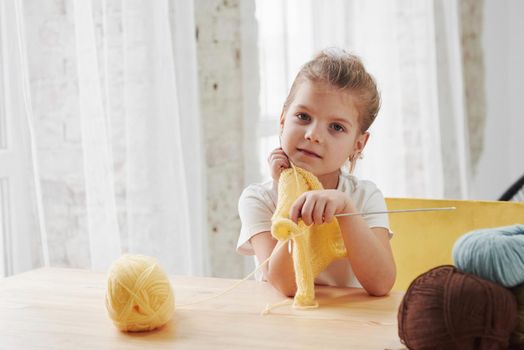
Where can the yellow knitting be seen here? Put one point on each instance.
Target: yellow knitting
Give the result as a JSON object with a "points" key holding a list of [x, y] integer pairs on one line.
{"points": [[315, 246]]}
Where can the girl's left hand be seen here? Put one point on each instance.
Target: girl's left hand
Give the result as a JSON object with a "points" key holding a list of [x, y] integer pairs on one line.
{"points": [[320, 206]]}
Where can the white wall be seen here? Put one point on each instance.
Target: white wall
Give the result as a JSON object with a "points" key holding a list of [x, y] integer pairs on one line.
{"points": [[502, 160]]}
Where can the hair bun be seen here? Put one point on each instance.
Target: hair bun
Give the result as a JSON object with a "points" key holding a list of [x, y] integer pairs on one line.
{"points": [[334, 52]]}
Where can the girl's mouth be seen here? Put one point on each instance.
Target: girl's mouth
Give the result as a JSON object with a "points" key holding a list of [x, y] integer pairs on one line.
{"points": [[308, 153]]}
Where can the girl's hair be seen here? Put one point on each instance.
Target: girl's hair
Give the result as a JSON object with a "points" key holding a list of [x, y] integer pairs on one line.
{"points": [[345, 71]]}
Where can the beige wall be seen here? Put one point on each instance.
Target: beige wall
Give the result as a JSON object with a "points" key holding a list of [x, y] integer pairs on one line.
{"points": [[220, 72]]}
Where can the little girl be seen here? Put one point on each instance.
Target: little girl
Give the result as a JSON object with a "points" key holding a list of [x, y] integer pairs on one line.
{"points": [[324, 122]]}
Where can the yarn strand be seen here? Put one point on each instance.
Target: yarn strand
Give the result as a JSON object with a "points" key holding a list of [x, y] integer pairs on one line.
{"points": [[279, 245], [270, 307]]}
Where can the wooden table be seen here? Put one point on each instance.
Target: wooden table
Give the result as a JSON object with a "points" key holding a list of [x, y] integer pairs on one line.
{"points": [[64, 309]]}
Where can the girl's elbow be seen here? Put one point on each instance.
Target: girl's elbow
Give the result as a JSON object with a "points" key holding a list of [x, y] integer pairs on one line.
{"points": [[382, 289], [288, 292], [287, 288], [379, 292]]}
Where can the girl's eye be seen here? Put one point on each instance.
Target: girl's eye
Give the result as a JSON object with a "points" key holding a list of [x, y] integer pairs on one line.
{"points": [[337, 127], [303, 117]]}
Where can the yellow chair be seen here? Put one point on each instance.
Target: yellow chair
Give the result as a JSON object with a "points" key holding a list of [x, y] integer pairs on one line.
{"points": [[424, 240]]}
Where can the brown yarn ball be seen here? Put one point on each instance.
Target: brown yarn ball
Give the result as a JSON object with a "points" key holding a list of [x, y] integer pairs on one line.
{"points": [[517, 338], [446, 309]]}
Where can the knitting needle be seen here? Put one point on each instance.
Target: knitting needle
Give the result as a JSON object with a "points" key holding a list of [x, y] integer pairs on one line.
{"points": [[290, 249], [396, 211]]}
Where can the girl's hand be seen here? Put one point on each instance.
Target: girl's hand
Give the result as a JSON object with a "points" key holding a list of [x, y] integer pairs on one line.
{"points": [[278, 161], [320, 206]]}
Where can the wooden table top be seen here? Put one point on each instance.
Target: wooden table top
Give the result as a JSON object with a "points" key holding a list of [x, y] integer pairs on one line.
{"points": [[56, 308]]}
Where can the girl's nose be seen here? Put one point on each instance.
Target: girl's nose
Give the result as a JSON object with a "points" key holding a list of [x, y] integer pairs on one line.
{"points": [[313, 134]]}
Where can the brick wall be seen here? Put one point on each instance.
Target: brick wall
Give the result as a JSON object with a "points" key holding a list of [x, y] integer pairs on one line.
{"points": [[220, 74]]}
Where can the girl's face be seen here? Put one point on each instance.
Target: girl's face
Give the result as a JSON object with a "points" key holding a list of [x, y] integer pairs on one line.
{"points": [[320, 130]]}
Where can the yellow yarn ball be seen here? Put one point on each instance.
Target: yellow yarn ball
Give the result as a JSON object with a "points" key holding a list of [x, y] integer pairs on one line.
{"points": [[139, 296]]}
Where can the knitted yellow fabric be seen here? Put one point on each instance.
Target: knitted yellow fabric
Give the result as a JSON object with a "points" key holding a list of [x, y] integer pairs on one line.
{"points": [[315, 246]]}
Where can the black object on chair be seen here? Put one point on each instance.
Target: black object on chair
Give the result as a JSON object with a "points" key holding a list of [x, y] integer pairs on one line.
{"points": [[515, 192]]}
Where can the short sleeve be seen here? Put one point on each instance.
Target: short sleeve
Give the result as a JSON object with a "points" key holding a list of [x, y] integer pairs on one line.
{"points": [[255, 208], [375, 202]]}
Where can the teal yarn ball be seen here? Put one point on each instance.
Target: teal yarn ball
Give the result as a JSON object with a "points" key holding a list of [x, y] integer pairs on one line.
{"points": [[495, 254]]}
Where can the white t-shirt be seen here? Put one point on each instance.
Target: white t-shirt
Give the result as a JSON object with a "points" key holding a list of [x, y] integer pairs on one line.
{"points": [[258, 203]]}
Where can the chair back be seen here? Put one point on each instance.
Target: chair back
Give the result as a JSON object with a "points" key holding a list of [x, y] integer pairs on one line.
{"points": [[425, 239]]}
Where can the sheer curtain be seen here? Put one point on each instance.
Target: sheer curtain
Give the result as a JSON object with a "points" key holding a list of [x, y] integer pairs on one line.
{"points": [[129, 175], [20, 205], [418, 142]]}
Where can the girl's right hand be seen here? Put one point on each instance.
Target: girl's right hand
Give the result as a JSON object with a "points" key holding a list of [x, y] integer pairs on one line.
{"points": [[278, 161]]}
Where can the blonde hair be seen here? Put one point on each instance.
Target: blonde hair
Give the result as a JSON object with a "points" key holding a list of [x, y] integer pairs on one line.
{"points": [[345, 71]]}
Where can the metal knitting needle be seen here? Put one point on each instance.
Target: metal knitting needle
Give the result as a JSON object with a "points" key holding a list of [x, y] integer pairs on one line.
{"points": [[396, 211]]}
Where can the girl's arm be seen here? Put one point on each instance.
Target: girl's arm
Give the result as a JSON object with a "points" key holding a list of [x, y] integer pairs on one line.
{"points": [[279, 271], [369, 250]]}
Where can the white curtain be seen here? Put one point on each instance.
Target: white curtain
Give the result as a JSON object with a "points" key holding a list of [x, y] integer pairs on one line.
{"points": [[412, 47], [127, 173], [20, 201]]}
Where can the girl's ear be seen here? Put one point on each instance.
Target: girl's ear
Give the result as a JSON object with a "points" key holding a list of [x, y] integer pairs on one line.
{"points": [[361, 141], [282, 120]]}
